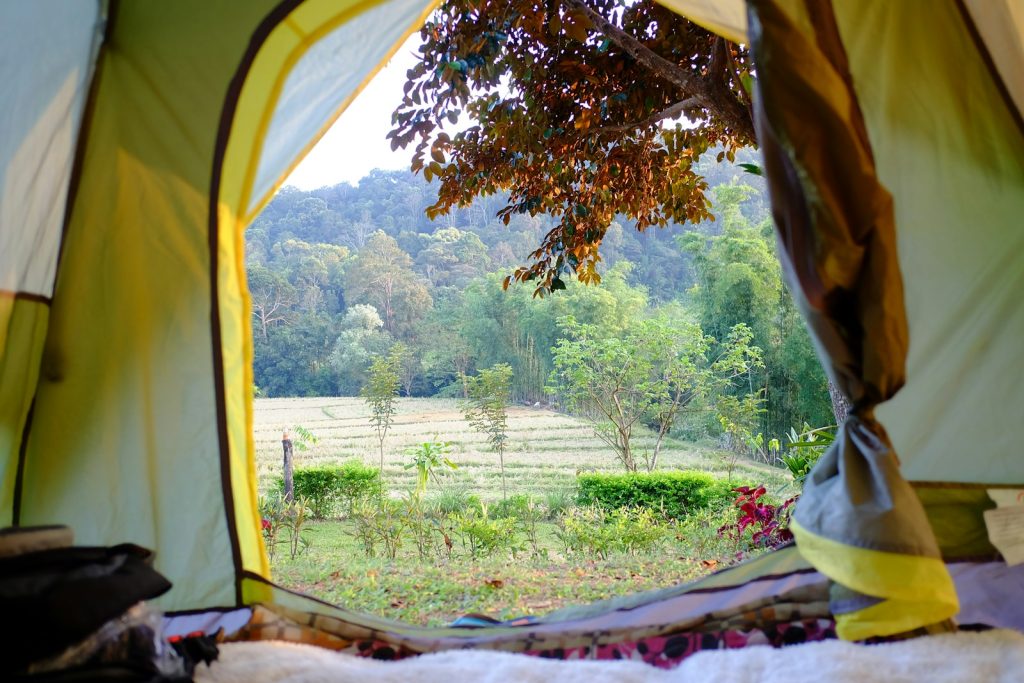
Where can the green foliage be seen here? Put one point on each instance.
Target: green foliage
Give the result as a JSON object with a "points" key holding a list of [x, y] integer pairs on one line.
{"points": [[427, 458], [284, 523], [517, 506], [360, 341], [453, 499], [486, 409], [596, 531], [358, 482], [380, 527], [647, 375], [380, 393], [302, 438], [805, 448], [671, 494], [325, 487], [483, 536], [557, 501], [739, 281], [382, 276]]}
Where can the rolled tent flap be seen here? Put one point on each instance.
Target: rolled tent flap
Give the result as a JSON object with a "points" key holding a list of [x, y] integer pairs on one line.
{"points": [[858, 521]]}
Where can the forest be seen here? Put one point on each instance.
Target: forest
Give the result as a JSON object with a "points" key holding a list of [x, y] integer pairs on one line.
{"points": [[344, 274]]}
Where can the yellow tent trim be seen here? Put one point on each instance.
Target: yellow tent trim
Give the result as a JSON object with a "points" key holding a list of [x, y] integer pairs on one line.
{"points": [[914, 590], [308, 147], [254, 112]]}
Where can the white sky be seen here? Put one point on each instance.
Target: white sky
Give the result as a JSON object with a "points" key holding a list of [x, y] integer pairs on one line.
{"points": [[355, 144]]}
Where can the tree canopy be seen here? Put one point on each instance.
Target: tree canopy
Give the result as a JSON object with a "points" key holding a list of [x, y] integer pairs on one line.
{"points": [[582, 110]]}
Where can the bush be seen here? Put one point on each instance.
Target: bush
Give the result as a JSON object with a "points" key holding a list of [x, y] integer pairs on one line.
{"points": [[326, 486], [594, 531], [277, 516], [451, 500], [380, 527], [358, 482], [484, 536], [558, 501], [674, 494], [517, 506]]}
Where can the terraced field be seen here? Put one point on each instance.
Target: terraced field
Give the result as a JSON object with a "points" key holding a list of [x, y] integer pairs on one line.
{"points": [[547, 449]]}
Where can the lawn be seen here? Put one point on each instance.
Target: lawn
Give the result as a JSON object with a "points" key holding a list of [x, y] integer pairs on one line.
{"points": [[548, 450]]}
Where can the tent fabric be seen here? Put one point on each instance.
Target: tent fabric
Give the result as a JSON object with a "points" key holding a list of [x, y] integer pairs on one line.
{"points": [[342, 54], [46, 63], [774, 588], [145, 381], [999, 24], [893, 141], [948, 148], [291, 77], [858, 520], [727, 18]]}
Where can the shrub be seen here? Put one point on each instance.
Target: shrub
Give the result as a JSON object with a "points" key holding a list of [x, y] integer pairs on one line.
{"points": [[380, 526], [325, 486], [516, 506], [674, 494], [358, 482], [759, 523], [526, 512], [483, 536], [805, 449], [700, 539], [558, 501], [452, 500], [592, 530], [277, 516]]}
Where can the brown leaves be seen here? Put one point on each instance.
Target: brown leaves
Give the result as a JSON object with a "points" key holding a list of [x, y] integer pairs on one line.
{"points": [[564, 120]]}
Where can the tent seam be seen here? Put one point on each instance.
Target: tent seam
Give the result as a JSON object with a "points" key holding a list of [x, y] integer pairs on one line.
{"points": [[263, 31]]}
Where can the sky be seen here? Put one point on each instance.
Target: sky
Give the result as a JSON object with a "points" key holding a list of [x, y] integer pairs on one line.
{"points": [[355, 144]]}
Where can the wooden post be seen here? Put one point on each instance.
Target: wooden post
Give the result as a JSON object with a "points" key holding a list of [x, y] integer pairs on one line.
{"points": [[289, 482]]}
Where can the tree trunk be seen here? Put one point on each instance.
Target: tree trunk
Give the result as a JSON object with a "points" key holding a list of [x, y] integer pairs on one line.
{"points": [[289, 480], [840, 406], [501, 463]]}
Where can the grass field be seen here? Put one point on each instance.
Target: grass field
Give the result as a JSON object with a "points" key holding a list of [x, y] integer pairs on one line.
{"points": [[547, 450]]}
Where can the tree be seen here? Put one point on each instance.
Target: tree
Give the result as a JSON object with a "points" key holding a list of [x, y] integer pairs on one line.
{"points": [[382, 276], [272, 297], [577, 108], [487, 409], [739, 280], [452, 257], [361, 340], [615, 381], [647, 375], [381, 394]]}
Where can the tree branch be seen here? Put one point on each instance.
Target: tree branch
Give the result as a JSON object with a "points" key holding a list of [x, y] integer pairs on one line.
{"points": [[703, 91], [666, 113]]}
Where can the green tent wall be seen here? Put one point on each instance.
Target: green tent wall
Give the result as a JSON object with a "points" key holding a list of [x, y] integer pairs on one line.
{"points": [[139, 139]]}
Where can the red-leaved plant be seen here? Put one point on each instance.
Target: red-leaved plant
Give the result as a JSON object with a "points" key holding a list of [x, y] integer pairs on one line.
{"points": [[769, 523]]}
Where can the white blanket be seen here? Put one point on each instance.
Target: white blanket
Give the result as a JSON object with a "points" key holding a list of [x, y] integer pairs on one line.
{"points": [[994, 656]]}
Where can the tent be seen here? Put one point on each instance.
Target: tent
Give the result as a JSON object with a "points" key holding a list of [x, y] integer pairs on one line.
{"points": [[139, 139]]}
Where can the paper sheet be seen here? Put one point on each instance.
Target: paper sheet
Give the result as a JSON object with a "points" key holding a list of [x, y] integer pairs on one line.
{"points": [[1006, 531], [1007, 497]]}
